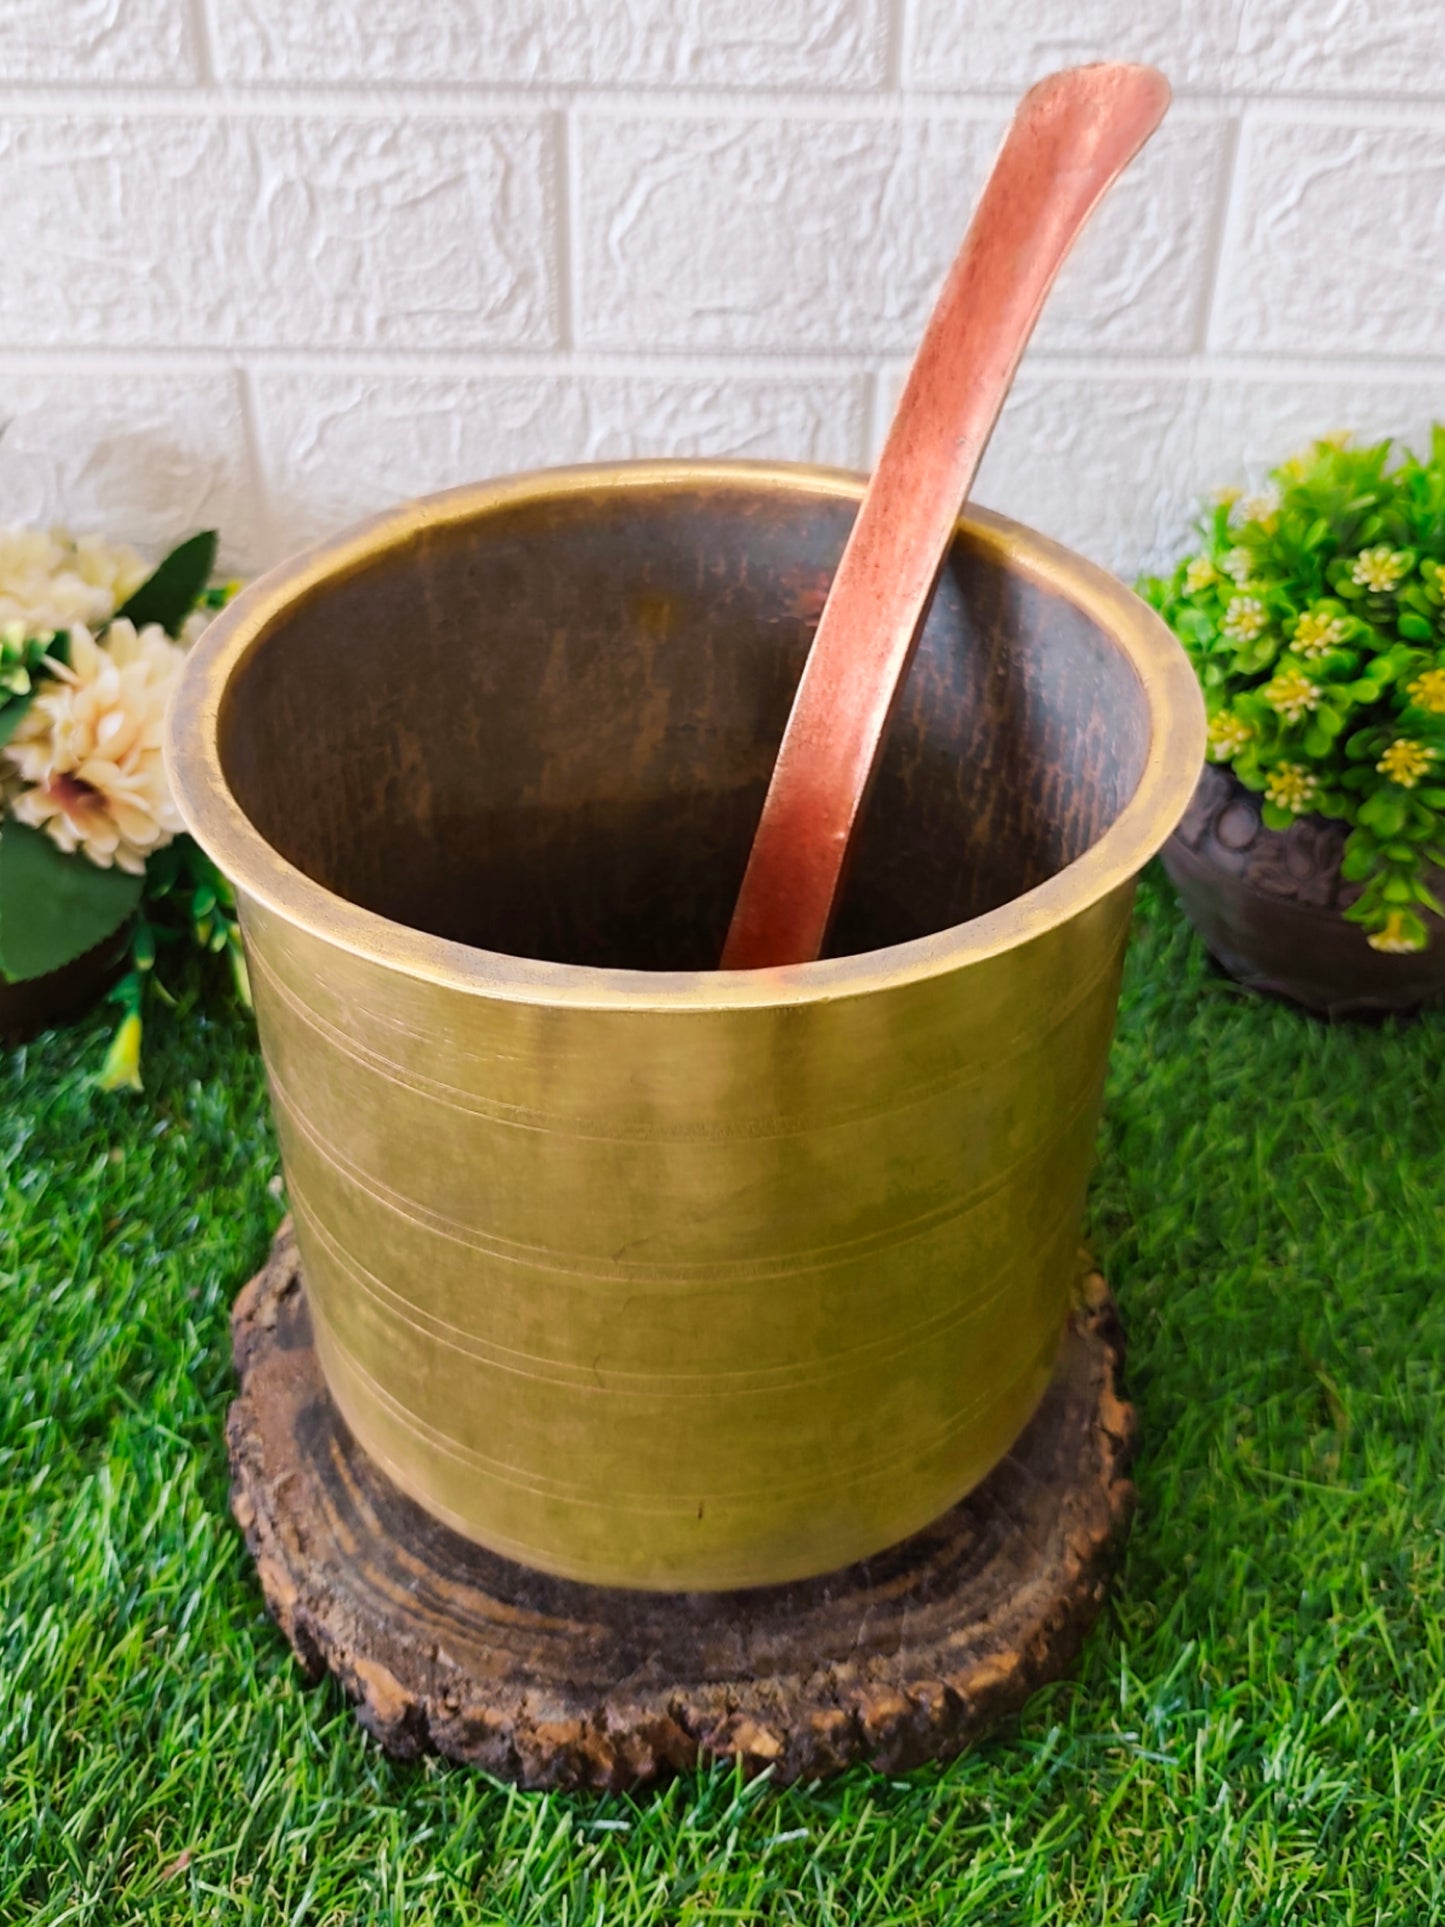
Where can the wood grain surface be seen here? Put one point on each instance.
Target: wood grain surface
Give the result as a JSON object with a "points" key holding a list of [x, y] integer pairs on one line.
{"points": [[446, 1647]]}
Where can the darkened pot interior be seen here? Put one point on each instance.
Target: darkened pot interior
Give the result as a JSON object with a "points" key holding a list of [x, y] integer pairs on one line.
{"points": [[568, 762]]}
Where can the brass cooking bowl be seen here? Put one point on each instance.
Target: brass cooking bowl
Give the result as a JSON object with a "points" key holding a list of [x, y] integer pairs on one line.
{"points": [[633, 1270]]}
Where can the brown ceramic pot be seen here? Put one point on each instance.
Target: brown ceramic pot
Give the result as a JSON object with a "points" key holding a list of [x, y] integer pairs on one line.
{"points": [[35, 1003], [1269, 905]]}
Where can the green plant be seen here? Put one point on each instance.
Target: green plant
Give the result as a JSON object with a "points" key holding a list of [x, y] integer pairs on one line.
{"points": [[89, 847], [1251, 1736], [1315, 618]]}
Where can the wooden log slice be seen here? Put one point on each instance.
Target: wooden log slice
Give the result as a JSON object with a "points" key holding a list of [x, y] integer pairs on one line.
{"points": [[903, 1657]]}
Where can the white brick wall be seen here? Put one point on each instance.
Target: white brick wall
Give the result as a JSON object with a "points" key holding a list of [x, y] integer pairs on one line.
{"points": [[274, 263]]}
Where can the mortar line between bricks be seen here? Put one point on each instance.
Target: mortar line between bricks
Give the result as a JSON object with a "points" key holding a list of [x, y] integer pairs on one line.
{"points": [[164, 358], [257, 478], [895, 45], [667, 101], [564, 228], [1222, 224], [1230, 242], [203, 27], [575, 259]]}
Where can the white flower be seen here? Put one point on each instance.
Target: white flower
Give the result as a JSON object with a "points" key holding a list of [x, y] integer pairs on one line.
{"points": [[1381, 568], [87, 757], [1245, 618], [1406, 761], [1228, 735], [1291, 787], [49, 580], [1317, 632], [1428, 691], [195, 624], [1261, 508], [1236, 564], [1395, 939], [1291, 694]]}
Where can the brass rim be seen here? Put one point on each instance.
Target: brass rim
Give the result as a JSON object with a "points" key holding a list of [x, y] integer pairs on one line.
{"points": [[213, 816]]}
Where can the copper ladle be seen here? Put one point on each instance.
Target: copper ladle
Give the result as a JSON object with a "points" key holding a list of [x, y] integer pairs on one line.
{"points": [[1072, 136]]}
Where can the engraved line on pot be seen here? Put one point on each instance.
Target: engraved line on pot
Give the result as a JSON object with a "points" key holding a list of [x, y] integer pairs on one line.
{"points": [[352, 1509], [537, 1485], [349, 1510], [680, 1385], [666, 1273], [472, 1104]]}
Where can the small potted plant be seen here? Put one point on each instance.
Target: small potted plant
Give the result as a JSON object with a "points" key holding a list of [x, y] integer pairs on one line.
{"points": [[93, 873], [1311, 858]]}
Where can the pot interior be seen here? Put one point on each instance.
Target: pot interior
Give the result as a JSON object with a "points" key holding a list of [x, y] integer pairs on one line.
{"points": [[547, 731]]}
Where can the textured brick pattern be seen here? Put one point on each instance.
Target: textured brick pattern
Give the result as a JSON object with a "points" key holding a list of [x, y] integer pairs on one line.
{"points": [[207, 231], [1263, 47], [527, 43], [761, 233], [343, 446], [102, 41], [277, 263], [1106, 464], [140, 453], [1340, 243]]}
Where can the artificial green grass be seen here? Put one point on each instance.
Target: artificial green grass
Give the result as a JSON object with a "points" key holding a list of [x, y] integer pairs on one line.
{"points": [[1256, 1731]]}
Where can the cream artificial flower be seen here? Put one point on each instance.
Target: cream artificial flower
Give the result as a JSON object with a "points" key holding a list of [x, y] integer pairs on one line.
{"points": [[1262, 508], [1317, 632], [87, 757], [1428, 691], [1395, 940], [49, 579], [1406, 761], [195, 624], [1245, 618], [1291, 787], [1236, 564], [1291, 694], [1381, 568], [1228, 735]]}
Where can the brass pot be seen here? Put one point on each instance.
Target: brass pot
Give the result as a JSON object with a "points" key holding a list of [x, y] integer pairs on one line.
{"points": [[630, 1269]]}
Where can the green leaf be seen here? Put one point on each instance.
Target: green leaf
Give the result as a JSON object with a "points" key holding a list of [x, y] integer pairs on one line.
{"points": [[1275, 818], [12, 715], [1385, 814], [54, 907], [172, 591], [1416, 627]]}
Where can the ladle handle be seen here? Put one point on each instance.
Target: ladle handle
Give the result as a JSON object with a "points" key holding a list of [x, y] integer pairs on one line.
{"points": [[1073, 134]]}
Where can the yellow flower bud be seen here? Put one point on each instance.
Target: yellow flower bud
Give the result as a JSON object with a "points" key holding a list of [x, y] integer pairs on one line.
{"points": [[121, 1069]]}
